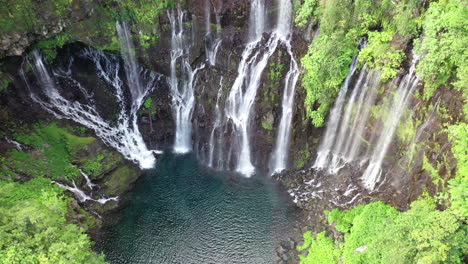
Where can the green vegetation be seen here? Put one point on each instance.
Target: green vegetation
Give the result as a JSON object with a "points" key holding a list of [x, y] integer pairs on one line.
{"points": [[148, 103], [49, 47], [150, 108], [381, 55], [94, 165], [443, 47], [322, 248], [145, 14], [267, 126], [35, 215], [5, 80], [303, 157], [54, 149], [96, 28], [342, 23], [34, 228], [433, 230], [22, 15], [276, 72], [378, 233]]}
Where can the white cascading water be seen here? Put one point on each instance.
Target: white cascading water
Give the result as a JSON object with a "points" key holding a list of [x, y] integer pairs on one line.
{"points": [[216, 126], [242, 95], [89, 183], [127, 50], [124, 135], [241, 98], [334, 120], [17, 145], [348, 152], [399, 105], [212, 39], [183, 98], [279, 158], [257, 19], [82, 196], [348, 139]]}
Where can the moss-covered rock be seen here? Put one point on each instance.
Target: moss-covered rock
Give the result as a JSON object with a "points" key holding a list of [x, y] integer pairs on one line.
{"points": [[119, 180]]}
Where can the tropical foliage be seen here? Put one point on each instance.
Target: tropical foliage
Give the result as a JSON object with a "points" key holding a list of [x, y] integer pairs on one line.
{"points": [[341, 26], [34, 226]]}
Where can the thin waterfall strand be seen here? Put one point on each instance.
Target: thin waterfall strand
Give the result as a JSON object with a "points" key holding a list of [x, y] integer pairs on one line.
{"points": [[183, 98], [279, 158], [217, 124], [334, 120], [401, 99]]}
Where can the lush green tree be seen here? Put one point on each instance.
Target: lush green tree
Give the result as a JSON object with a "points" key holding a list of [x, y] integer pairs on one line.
{"points": [[321, 247], [34, 228], [443, 46], [341, 25], [378, 233]]}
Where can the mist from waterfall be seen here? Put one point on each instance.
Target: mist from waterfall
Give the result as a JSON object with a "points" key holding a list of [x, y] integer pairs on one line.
{"points": [[123, 134], [345, 139], [346, 130], [216, 129], [409, 82], [328, 139], [181, 83]]}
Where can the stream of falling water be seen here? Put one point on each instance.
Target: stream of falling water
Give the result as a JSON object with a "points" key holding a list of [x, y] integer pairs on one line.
{"points": [[401, 99], [345, 142], [279, 158], [334, 120], [241, 98], [183, 98], [123, 135], [342, 141], [212, 39], [216, 126]]}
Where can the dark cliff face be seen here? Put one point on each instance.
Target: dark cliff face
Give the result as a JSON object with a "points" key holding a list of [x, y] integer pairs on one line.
{"points": [[266, 112]]}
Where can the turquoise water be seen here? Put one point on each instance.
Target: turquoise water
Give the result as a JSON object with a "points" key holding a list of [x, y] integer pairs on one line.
{"points": [[183, 213]]}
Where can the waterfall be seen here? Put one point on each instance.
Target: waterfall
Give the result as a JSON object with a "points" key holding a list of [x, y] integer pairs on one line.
{"points": [[279, 158], [241, 98], [216, 126], [88, 180], [405, 90], [17, 145], [127, 51], [346, 126], [123, 135], [345, 130], [257, 19], [82, 196], [350, 135], [243, 92], [334, 120], [212, 40], [183, 99]]}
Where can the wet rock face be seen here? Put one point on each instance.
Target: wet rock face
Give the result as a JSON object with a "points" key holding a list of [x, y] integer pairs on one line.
{"points": [[49, 24], [266, 111]]}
